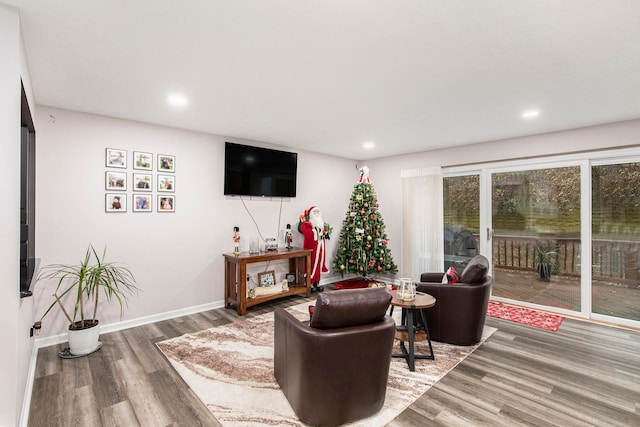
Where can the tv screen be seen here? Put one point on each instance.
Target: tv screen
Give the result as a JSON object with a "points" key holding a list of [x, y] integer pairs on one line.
{"points": [[255, 171]]}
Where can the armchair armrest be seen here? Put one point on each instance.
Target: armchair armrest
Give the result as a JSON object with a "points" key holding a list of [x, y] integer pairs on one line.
{"points": [[432, 277]]}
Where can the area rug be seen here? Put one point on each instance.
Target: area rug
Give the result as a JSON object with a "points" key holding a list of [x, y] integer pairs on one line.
{"points": [[526, 316], [230, 368]]}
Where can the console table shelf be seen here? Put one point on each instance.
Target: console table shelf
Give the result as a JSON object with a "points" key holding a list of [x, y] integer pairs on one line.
{"points": [[235, 276]]}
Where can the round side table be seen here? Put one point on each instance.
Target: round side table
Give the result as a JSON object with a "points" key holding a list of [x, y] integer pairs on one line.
{"points": [[408, 331]]}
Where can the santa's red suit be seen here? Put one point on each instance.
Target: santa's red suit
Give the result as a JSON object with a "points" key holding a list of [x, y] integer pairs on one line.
{"points": [[315, 232]]}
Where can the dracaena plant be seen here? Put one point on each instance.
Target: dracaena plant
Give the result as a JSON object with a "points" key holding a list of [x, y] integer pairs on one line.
{"points": [[80, 286]]}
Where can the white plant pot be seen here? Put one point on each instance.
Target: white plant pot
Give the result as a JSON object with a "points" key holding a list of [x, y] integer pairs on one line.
{"points": [[84, 341]]}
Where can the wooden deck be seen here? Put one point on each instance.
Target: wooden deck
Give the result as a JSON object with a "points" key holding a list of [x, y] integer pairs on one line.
{"points": [[612, 299]]}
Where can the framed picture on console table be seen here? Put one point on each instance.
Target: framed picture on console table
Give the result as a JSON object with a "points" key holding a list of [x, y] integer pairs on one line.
{"points": [[268, 278]]}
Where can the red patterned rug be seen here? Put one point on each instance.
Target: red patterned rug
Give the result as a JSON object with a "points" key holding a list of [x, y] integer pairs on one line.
{"points": [[526, 316]]}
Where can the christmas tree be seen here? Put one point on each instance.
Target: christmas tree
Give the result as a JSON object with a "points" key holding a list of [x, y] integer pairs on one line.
{"points": [[363, 244]]}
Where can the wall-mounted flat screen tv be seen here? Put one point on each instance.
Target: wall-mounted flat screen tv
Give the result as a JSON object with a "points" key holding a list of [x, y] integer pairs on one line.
{"points": [[256, 171]]}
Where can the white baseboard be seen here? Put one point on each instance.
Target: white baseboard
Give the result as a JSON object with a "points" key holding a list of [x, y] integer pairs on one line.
{"points": [[118, 326]]}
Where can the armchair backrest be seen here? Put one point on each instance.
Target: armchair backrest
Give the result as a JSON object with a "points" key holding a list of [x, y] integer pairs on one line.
{"points": [[350, 307]]}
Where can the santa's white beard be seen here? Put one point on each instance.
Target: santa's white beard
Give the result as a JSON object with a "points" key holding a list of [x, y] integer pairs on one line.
{"points": [[317, 221]]}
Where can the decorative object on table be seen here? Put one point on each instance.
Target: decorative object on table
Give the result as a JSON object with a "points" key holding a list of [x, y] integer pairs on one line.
{"points": [[363, 233], [80, 286], [116, 158], [166, 163], [143, 161], [315, 232], [288, 237], [268, 278], [285, 285], [254, 246], [545, 261], [406, 289], [291, 278], [236, 240], [271, 244]]}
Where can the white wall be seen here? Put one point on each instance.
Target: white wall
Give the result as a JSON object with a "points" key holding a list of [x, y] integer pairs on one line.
{"points": [[15, 316], [385, 172], [175, 257]]}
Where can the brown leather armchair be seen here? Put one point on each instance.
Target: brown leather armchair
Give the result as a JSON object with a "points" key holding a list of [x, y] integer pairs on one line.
{"points": [[334, 369], [461, 308]]}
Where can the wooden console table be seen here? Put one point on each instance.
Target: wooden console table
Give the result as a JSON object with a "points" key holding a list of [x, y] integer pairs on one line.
{"points": [[235, 276]]}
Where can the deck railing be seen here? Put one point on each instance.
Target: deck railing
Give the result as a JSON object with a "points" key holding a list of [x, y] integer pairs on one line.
{"points": [[613, 261]]}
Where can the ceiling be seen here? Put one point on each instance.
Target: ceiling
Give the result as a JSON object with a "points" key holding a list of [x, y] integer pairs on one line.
{"points": [[327, 76]]}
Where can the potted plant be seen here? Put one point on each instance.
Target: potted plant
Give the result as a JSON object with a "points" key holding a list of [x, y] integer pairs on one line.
{"points": [[79, 288], [545, 262]]}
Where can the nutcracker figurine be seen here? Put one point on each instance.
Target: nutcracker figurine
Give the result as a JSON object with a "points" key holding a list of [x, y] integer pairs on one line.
{"points": [[288, 237], [236, 239]]}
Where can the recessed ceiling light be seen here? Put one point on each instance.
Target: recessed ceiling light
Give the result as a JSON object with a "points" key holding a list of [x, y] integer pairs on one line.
{"points": [[530, 114], [177, 100], [368, 145]]}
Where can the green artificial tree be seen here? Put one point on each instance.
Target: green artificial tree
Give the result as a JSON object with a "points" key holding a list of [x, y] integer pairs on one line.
{"points": [[363, 243]]}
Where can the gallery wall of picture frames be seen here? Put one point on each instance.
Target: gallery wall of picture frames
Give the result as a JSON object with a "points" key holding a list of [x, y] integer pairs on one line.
{"points": [[136, 188]]}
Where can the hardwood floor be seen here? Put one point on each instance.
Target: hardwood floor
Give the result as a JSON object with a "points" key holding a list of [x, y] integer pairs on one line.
{"points": [[585, 374]]}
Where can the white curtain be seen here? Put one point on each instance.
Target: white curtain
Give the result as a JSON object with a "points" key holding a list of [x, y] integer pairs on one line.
{"points": [[422, 222]]}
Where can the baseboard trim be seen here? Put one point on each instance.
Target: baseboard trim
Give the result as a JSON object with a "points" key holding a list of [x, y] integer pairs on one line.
{"points": [[118, 326]]}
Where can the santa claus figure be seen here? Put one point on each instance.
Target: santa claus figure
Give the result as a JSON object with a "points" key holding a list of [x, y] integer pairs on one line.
{"points": [[315, 232]]}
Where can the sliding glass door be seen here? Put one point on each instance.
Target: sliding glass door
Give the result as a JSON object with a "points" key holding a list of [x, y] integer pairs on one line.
{"points": [[535, 216], [562, 234], [615, 240], [461, 201]]}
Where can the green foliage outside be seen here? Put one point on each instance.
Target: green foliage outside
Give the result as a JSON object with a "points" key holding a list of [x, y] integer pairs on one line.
{"points": [[547, 201]]}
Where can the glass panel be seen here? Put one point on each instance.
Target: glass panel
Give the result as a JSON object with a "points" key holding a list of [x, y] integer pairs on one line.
{"points": [[616, 240], [536, 236], [461, 196]]}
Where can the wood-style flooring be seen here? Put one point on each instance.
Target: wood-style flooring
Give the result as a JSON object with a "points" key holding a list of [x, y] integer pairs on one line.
{"points": [[585, 374]]}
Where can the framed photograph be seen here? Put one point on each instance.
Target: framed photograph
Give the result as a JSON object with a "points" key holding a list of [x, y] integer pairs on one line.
{"points": [[142, 181], [268, 278], [166, 203], [142, 160], [166, 183], [166, 163], [116, 158], [115, 202], [115, 180], [142, 203]]}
